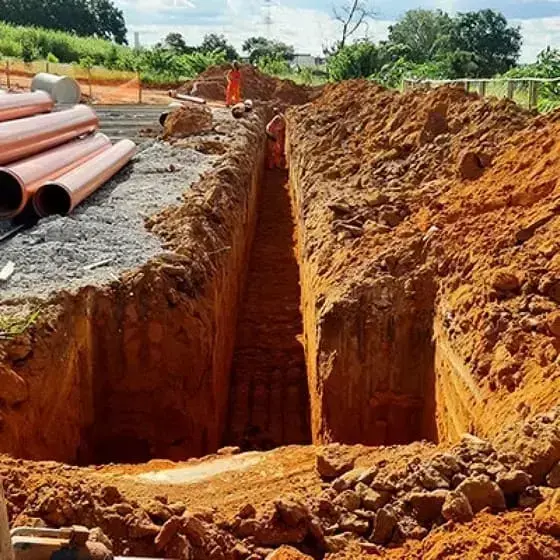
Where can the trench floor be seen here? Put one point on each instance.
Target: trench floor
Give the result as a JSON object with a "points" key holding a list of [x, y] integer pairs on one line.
{"points": [[269, 399]]}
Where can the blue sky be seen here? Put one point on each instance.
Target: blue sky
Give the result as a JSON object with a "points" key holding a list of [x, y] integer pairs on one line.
{"points": [[308, 24]]}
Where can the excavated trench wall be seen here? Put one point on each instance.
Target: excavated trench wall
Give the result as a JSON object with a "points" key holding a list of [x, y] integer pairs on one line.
{"points": [[140, 368], [370, 357]]}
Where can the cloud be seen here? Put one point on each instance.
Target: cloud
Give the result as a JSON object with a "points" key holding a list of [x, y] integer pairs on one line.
{"points": [[245, 18], [538, 34], [302, 25]]}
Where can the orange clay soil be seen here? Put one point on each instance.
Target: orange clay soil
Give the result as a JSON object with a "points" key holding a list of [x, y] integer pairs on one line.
{"points": [[427, 227], [255, 85], [509, 536], [408, 207], [418, 499]]}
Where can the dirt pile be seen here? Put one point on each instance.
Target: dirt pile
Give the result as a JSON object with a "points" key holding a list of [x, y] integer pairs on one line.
{"points": [[500, 298], [211, 85], [375, 500], [374, 174], [190, 119]]}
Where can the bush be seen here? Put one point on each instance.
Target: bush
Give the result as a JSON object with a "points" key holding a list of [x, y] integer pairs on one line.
{"points": [[359, 60], [274, 65]]}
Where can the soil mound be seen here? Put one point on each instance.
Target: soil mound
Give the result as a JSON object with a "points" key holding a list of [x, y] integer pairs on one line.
{"points": [[191, 119], [380, 497], [211, 85]]}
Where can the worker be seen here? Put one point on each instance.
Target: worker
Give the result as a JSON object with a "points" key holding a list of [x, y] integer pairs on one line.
{"points": [[233, 91], [276, 132]]}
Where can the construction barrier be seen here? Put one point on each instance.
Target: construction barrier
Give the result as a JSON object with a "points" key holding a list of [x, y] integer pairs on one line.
{"points": [[97, 84]]}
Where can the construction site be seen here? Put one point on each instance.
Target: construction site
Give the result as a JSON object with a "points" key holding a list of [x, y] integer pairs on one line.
{"points": [[353, 355]]}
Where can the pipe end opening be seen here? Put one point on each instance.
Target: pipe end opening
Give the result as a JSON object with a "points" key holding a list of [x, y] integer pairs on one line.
{"points": [[11, 195], [52, 199]]}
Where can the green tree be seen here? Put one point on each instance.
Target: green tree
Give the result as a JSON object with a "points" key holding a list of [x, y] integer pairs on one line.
{"points": [[175, 42], [260, 47], [423, 32], [359, 60], [99, 18], [485, 34], [213, 43]]}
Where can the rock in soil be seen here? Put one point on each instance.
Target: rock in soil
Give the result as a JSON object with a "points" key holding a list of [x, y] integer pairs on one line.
{"points": [[457, 507], [481, 492]]}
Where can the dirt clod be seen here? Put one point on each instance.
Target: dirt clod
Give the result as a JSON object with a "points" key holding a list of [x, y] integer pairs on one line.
{"points": [[191, 119]]}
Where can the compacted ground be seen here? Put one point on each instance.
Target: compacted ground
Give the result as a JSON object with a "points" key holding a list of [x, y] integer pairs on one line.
{"points": [[394, 304]]}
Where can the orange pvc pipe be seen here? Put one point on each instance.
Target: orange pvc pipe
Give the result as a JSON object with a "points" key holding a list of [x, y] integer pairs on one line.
{"points": [[64, 194], [20, 180], [18, 105], [25, 137]]}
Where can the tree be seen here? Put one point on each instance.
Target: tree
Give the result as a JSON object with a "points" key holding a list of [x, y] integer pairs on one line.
{"points": [[359, 60], [213, 42], [260, 47], [486, 35], [99, 18], [353, 15], [175, 42], [423, 32]]}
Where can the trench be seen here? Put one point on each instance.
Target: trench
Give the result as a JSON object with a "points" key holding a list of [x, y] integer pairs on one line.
{"points": [[269, 399], [152, 370]]}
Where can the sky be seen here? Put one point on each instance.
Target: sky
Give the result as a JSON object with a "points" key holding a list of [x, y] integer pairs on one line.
{"points": [[308, 24]]}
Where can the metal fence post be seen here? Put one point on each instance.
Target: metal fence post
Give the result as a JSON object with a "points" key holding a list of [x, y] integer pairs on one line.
{"points": [[533, 95], [8, 84], [510, 89], [89, 83], [482, 89], [139, 78]]}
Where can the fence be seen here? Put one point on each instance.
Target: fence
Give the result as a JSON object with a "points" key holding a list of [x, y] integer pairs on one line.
{"points": [[527, 92], [98, 84]]}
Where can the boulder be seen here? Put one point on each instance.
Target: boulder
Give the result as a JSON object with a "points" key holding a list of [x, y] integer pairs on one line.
{"points": [[348, 500], [353, 524], [513, 482], [373, 500], [553, 477], [505, 280], [481, 492], [427, 505], [456, 507], [331, 462], [291, 512], [384, 525]]}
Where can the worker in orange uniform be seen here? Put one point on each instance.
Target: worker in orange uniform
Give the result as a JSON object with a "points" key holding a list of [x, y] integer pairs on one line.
{"points": [[233, 91], [276, 132]]}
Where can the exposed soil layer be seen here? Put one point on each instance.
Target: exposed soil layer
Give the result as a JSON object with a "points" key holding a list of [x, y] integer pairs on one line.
{"points": [[144, 359], [255, 85], [427, 239], [269, 403], [375, 175]]}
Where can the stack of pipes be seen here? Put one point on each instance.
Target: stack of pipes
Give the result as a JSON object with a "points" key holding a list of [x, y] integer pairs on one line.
{"points": [[52, 160]]}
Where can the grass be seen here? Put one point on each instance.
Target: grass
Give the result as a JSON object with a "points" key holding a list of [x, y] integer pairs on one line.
{"points": [[15, 325]]}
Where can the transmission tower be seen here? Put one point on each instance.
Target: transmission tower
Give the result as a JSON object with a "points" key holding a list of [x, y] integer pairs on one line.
{"points": [[268, 17]]}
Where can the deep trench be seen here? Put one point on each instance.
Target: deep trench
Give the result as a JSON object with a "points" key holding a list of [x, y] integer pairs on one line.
{"points": [[137, 374], [269, 397]]}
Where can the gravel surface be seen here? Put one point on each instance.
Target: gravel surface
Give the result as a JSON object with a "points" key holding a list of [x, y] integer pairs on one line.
{"points": [[105, 235]]}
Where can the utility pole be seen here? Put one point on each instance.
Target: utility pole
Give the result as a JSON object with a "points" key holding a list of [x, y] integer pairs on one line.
{"points": [[268, 17]]}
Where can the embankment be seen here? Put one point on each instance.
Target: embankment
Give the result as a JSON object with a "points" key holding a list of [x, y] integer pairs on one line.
{"points": [[427, 296], [139, 367]]}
